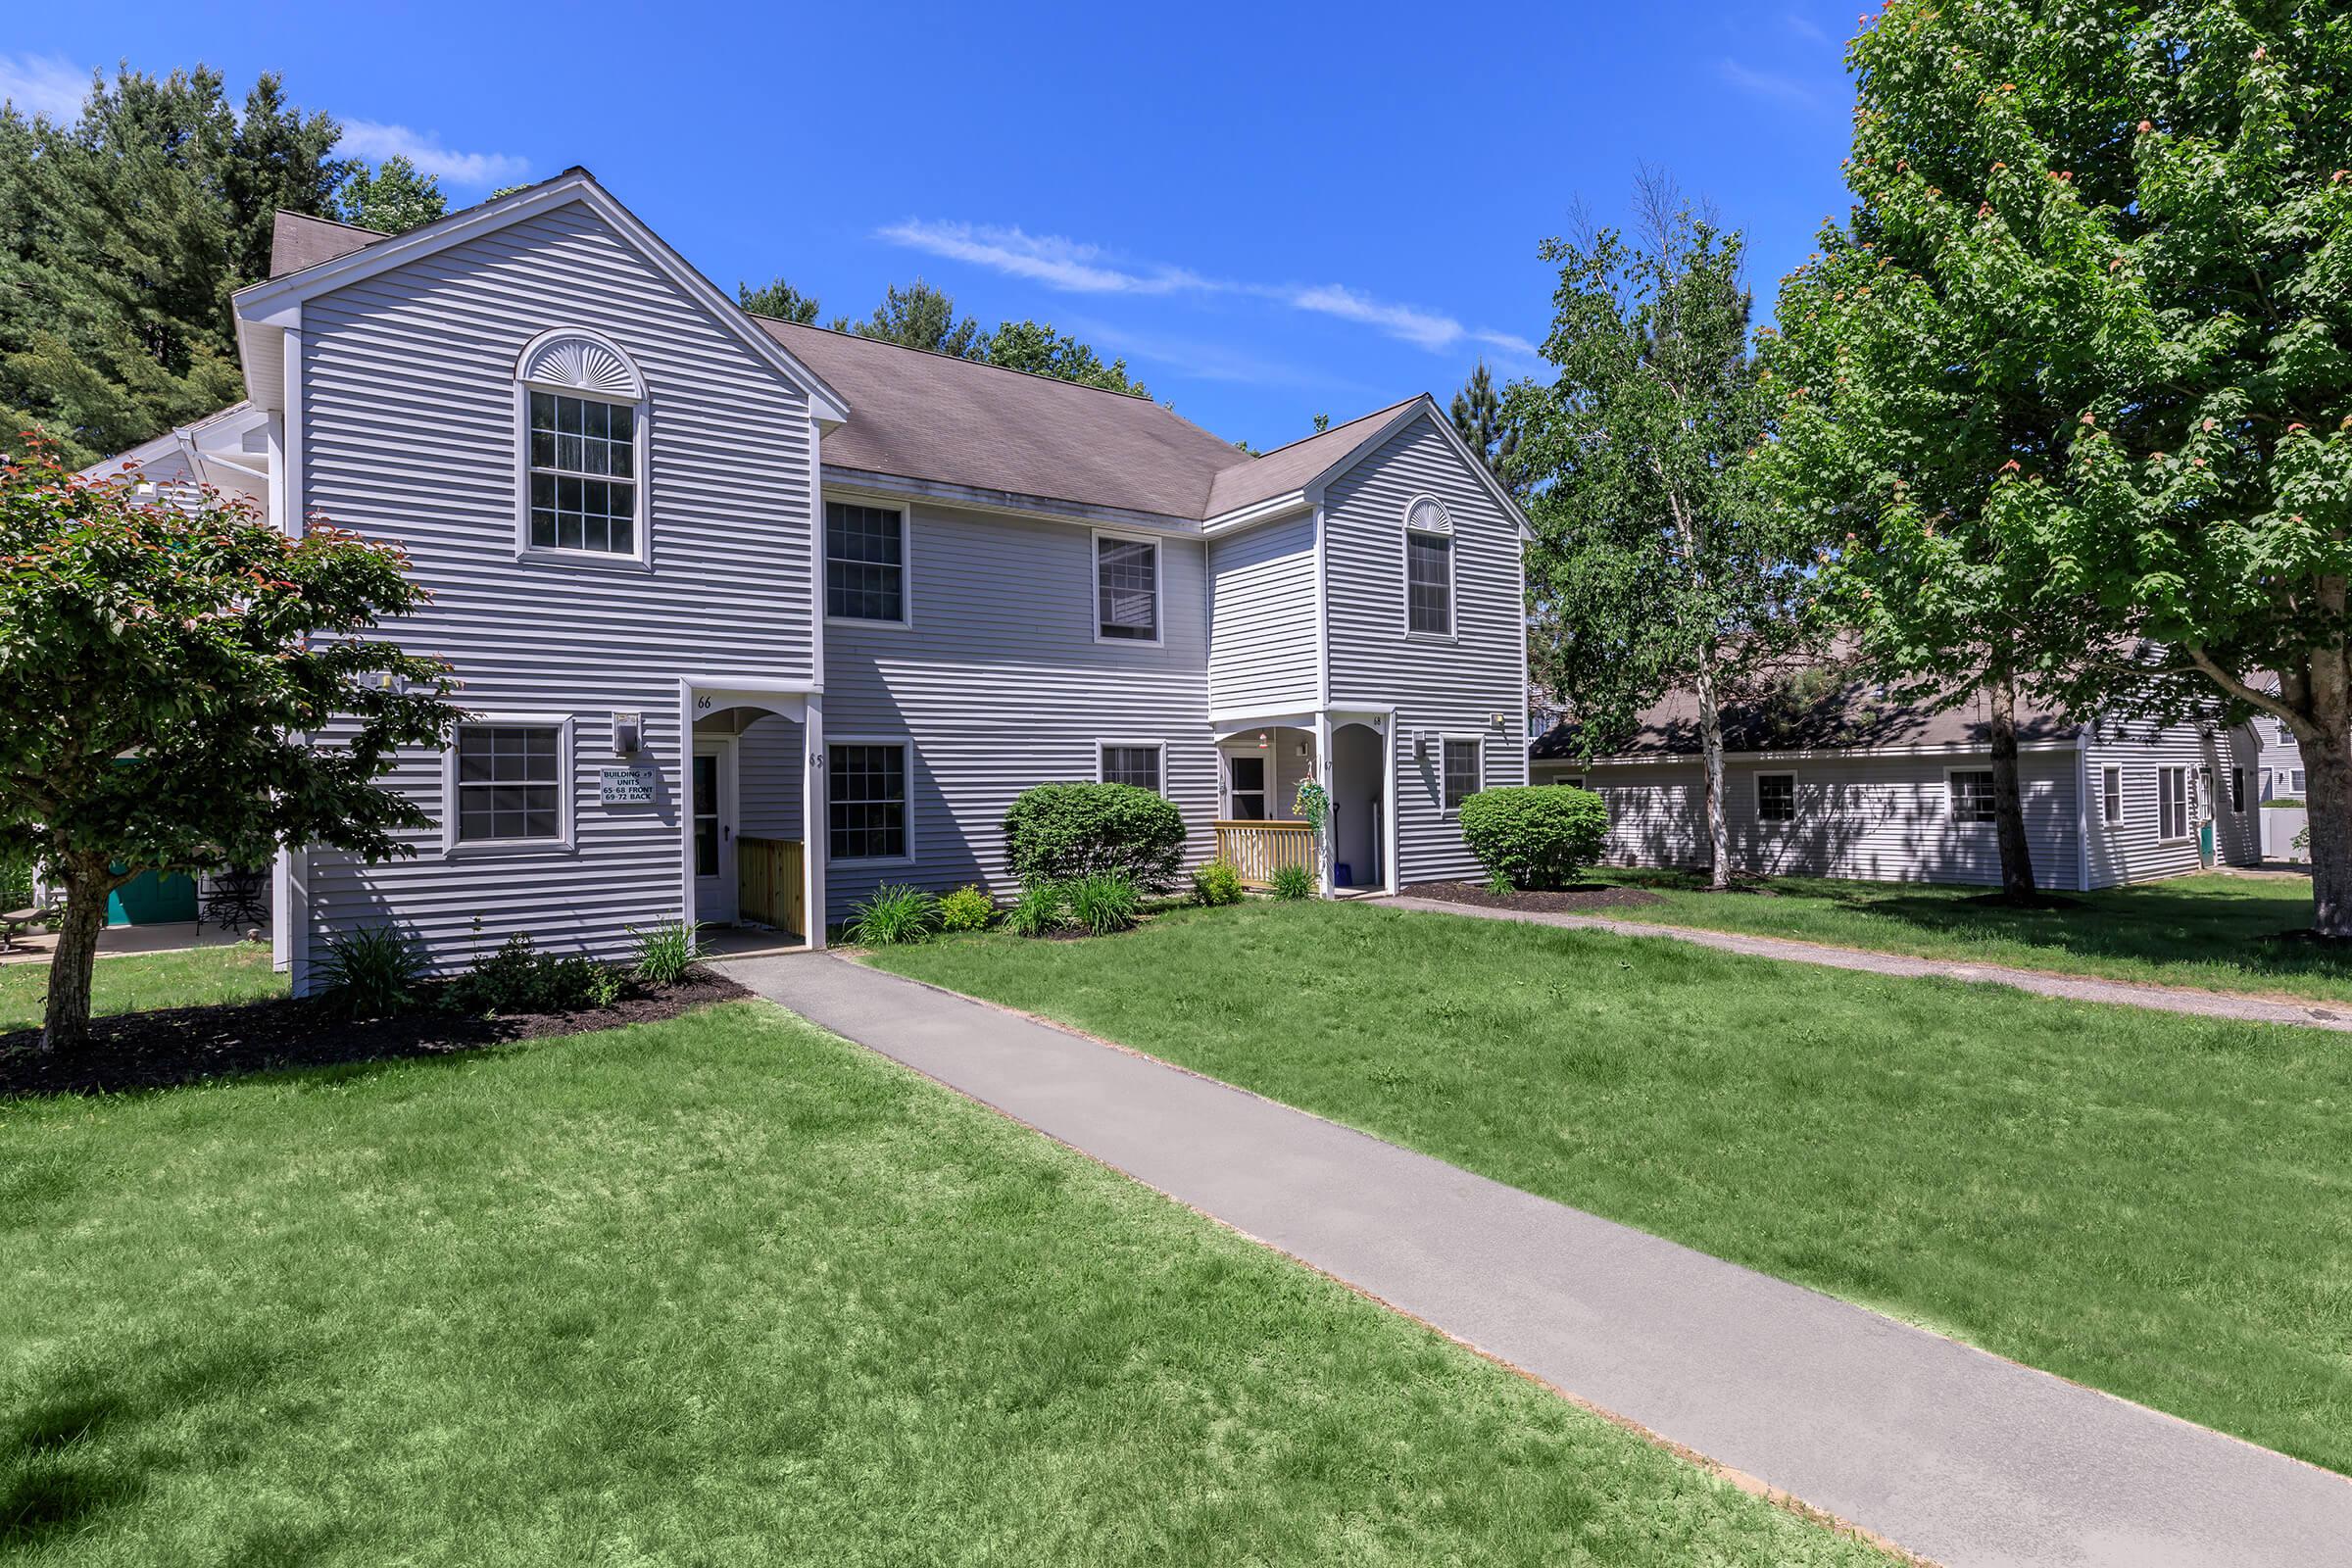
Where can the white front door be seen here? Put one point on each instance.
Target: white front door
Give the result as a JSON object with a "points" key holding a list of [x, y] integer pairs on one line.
{"points": [[713, 829]]}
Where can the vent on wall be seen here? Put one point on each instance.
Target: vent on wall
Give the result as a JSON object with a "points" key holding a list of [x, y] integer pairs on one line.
{"points": [[582, 363], [1428, 514]]}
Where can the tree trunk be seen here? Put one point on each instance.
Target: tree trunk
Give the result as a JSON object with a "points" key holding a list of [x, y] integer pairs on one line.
{"points": [[2008, 796], [1710, 742], [2327, 799], [65, 1024]]}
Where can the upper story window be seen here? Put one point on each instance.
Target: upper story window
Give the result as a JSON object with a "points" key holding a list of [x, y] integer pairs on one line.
{"points": [[865, 563], [582, 419], [1126, 589], [1428, 568]]}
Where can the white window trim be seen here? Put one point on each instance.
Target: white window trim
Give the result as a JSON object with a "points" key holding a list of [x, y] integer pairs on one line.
{"points": [[824, 561], [641, 530], [1159, 588], [904, 743], [2189, 816], [1159, 746], [2114, 819], [1453, 575], [1476, 738], [2238, 791], [1991, 822], [1777, 824], [2296, 782], [568, 778]]}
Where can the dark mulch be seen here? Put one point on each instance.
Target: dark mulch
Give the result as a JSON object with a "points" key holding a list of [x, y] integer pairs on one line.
{"points": [[183, 1045], [1561, 900]]}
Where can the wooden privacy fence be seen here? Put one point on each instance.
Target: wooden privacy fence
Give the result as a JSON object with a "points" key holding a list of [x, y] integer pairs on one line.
{"points": [[768, 885], [1257, 850]]}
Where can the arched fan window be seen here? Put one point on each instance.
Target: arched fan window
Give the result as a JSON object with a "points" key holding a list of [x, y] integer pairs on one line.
{"points": [[1428, 568], [580, 408]]}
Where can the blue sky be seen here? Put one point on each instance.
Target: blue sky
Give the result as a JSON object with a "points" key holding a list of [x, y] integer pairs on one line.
{"points": [[1270, 213]]}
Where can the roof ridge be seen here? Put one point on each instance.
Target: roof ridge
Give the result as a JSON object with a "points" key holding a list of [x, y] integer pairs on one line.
{"points": [[314, 218], [985, 365], [1317, 435]]}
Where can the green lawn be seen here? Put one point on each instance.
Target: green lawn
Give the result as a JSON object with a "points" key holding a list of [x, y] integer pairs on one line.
{"points": [[2203, 931], [145, 981], [728, 1291], [2158, 1205]]}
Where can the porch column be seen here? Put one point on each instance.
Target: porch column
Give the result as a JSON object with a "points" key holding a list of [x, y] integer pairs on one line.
{"points": [[815, 819], [1323, 860]]}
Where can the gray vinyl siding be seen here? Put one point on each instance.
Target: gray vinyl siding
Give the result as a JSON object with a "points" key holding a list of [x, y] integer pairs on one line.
{"points": [[2134, 849], [1881, 817], [1265, 651], [1437, 686], [409, 426], [999, 684]]}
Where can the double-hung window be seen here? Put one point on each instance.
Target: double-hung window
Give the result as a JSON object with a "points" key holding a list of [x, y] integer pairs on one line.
{"points": [[2111, 794], [2294, 781], [866, 809], [1126, 589], [1776, 796], [2171, 803], [1136, 765], [508, 782], [582, 418], [2237, 791], [1970, 790], [865, 563], [1461, 763]]}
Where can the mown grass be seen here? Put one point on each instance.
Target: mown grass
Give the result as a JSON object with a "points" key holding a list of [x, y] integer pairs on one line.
{"points": [[2214, 931], [728, 1291], [143, 982], [2155, 1204]]}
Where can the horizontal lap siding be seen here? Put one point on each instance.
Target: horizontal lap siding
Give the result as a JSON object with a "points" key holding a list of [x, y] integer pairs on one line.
{"points": [[2135, 848], [408, 434], [1264, 652], [999, 685], [1884, 818], [1434, 686]]}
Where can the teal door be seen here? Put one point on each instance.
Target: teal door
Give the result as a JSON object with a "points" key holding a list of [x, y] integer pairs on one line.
{"points": [[2205, 844], [149, 899]]}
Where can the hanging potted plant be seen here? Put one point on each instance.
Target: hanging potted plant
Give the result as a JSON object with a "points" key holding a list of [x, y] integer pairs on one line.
{"points": [[1311, 804]]}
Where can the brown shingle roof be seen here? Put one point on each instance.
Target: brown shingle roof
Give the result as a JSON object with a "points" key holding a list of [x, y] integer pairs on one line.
{"points": [[1285, 468], [1847, 714], [297, 242], [932, 416]]}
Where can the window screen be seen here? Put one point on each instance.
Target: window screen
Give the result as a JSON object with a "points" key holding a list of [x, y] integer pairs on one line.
{"points": [[1127, 589]]}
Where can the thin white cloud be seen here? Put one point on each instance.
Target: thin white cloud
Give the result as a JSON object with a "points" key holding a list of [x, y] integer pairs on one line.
{"points": [[376, 142], [1767, 84], [1804, 27], [1077, 268], [1206, 362], [44, 85]]}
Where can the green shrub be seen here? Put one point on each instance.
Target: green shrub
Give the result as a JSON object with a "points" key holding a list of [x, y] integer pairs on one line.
{"points": [[1499, 883], [967, 910], [1104, 901], [891, 914], [1217, 883], [373, 973], [1042, 909], [1058, 831], [518, 978], [1294, 882], [665, 953], [1538, 836], [16, 882]]}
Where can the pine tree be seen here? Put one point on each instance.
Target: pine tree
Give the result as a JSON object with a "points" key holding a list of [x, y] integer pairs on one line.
{"points": [[1478, 417], [779, 301], [920, 317]]}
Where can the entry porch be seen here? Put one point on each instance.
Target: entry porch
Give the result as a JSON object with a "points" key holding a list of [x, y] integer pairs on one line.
{"points": [[1262, 759]]}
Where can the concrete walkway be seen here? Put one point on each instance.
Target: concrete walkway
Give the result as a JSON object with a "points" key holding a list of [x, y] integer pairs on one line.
{"points": [[1953, 1454], [2074, 988]]}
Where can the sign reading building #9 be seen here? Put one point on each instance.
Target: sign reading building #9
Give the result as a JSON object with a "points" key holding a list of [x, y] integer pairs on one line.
{"points": [[624, 786]]}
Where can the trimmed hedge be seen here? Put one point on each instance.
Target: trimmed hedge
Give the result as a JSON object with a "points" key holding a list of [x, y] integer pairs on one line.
{"points": [[1056, 832], [1537, 835]]}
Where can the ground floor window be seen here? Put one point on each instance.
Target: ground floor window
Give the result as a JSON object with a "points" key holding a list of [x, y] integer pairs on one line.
{"points": [[2238, 791], [509, 783], [1463, 761], [867, 809], [2296, 782], [2111, 794], [1568, 781], [1971, 793], [2171, 803], [1776, 796], [1138, 765]]}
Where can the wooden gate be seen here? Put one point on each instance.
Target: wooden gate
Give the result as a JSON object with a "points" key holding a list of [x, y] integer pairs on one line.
{"points": [[769, 887]]}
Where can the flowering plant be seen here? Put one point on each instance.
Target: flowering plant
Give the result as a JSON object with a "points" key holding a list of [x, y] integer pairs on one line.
{"points": [[1310, 803]]}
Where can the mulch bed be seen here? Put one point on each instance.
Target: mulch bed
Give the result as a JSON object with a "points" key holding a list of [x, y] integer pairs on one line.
{"points": [[183, 1045], [1563, 901]]}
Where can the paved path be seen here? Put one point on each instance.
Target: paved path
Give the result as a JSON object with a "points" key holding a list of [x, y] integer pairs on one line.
{"points": [[2075, 988], [1967, 1459]]}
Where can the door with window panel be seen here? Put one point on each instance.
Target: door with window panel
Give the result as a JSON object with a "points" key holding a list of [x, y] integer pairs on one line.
{"points": [[713, 791]]}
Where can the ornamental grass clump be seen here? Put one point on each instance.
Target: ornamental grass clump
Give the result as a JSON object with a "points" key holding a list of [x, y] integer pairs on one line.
{"points": [[890, 915], [1535, 836], [373, 973], [1104, 903], [665, 953], [1042, 909], [1291, 883]]}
